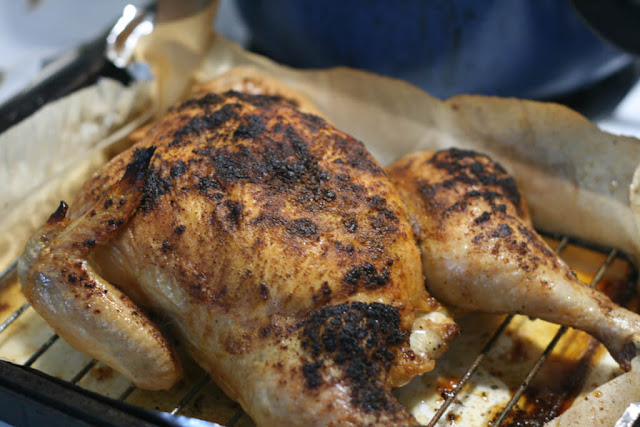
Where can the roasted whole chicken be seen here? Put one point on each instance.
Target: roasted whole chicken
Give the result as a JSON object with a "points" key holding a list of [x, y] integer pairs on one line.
{"points": [[270, 244], [481, 253], [291, 265]]}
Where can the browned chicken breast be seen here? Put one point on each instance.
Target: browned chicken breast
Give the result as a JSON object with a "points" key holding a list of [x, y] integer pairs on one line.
{"points": [[272, 245], [480, 252]]}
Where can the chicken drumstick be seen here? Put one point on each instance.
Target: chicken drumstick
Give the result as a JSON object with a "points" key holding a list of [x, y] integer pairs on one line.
{"points": [[480, 252]]}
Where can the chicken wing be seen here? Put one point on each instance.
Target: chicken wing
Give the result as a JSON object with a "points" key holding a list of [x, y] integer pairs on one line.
{"points": [[480, 251], [271, 244]]}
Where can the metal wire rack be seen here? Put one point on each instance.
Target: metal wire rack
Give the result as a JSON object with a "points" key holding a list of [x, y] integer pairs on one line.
{"points": [[191, 392]]}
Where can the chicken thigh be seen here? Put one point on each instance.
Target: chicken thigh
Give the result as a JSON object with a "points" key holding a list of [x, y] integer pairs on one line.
{"points": [[271, 244], [480, 252]]}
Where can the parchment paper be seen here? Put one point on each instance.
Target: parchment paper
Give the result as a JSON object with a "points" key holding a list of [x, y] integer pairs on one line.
{"points": [[604, 405], [48, 156]]}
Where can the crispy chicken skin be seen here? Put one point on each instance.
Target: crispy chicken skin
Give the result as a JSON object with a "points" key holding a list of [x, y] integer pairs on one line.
{"points": [[480, 251], [271, 244]]}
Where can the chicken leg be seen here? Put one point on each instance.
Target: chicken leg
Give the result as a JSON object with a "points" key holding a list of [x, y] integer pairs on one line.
{"points": [[90, 313], [480, 252]]}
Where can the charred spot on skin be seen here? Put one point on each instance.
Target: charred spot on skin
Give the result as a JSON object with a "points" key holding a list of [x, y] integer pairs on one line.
{"points": [[179, 229], [329, 195], [358, 337], [384, 220], [479, 238], [229, 166], [112, 222], [482, 218], [459, 206], [59, 214], [268, 220], [535, 241], [206, 184], [350, 224], [205, 122], [348, 248], [450, 183], [234, 214], [313, 122], [138, 167], [382, 226], [209, 99], [302, 227], [90, 243], [264, 332], [501, 231], [450, 159], [326, 290], [311, 373], [313, 198], [427, 191], [178, 169], [264, 291], [283, 161], [108, 203], [155, 186], [355, 155], [305, 164], [501, 208], [379, 204], [366, 275], [324, 295], [510, 188], [279, 125], [252, 127], [166, 246]]}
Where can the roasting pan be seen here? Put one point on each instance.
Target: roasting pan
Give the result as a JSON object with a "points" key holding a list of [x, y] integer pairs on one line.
{"points": [[502, 370]]}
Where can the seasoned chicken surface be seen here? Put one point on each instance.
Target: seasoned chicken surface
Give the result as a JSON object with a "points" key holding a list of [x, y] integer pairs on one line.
{"points": [[271, 244], [480, 252]]}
